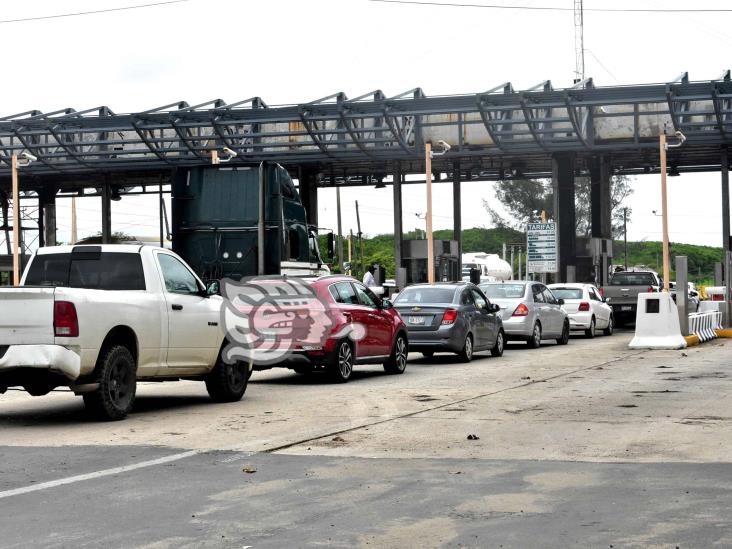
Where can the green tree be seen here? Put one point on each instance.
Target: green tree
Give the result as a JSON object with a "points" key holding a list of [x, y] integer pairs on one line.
{"points": [[525, 199]]}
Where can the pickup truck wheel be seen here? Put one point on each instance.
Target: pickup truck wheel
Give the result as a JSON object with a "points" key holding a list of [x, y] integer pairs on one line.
{"points": [[116, 374], [340, 364], [397, 362], [535, 338], [590, 332], [608, 331], [227, 382]]}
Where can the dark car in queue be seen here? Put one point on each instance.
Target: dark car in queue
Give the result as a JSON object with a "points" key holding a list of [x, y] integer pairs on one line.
{"points": [[348, 304], [451, 317]]}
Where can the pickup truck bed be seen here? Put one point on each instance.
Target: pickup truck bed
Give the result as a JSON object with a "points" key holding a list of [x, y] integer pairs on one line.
{"points": [[622, 292]]}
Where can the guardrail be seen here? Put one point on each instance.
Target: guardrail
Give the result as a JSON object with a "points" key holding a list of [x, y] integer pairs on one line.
{"points": [[703, 325]]}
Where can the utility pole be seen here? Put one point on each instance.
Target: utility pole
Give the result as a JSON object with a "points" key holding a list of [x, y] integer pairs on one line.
{"points": [[16, 219], [625, 235], [360, 241], [428, 215], [579, 41], [339, 244], [350, 252]]}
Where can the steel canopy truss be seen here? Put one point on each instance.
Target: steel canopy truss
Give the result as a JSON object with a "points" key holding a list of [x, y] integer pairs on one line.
{"points": [[499, 128]]}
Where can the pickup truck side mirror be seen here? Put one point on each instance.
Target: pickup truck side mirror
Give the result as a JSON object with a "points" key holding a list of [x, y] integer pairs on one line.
{"points": [[213, 287], [494, 308]]}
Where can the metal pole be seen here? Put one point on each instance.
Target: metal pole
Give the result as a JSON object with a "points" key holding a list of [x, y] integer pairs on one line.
{"points": [[106, 214], [504, 252], [664, 213], [513, 265], [725, 201], [398, 221], [682, 293], [74, 235], [160, 214], [339, 244], [16, 220], [519, 258], [625, 236], [260, 222], [457, 233], [428, 215]]}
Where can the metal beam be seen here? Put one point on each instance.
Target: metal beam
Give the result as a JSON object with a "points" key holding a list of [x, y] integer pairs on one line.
{"points": [[106, 213]]}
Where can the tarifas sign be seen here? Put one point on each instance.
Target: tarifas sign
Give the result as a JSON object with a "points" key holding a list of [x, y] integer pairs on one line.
{"points": [[541, 246]]}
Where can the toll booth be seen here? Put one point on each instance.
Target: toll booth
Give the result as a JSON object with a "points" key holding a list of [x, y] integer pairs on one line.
{"points": [[594, 257], [447, 261]]}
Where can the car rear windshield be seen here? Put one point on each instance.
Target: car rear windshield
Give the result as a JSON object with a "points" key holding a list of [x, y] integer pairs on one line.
{"points": [[503, 291], [425, 294], [632, 279], [567, 293], [94, 271]]}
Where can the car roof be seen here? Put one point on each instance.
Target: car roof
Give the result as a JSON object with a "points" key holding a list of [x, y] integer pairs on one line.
{"points": [[577, 285]]}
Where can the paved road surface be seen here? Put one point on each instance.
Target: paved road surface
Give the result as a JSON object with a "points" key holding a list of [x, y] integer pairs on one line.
{"points": [[585, 445]]}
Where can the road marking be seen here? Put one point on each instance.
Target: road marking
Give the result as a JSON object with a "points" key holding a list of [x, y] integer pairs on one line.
{"points": [[98, 474]]}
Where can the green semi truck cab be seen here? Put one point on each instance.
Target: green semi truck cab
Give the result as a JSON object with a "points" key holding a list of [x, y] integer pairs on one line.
{"points": [[217, 227]]}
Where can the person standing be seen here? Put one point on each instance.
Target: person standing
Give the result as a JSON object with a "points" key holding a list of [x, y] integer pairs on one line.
{"points": [[368, 277]]}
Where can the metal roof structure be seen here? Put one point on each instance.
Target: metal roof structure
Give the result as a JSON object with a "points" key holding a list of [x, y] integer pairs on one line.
{"points": [[492, 133]]}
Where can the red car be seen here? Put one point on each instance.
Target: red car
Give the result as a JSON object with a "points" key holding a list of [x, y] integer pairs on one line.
{"points": [[352, 326]]}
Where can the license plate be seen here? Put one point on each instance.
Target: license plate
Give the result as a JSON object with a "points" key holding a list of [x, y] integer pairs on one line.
{"points": [[416, 320], [626, 308]]}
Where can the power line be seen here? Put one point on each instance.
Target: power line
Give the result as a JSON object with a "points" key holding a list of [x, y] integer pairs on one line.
{"points": [[60, 15], [554, 8]]}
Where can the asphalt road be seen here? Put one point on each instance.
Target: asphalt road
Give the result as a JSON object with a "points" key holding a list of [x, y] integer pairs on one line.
{"points": [[589, 445]]}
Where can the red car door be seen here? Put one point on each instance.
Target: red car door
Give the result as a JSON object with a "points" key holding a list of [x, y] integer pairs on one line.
{"points": [[378, 322]]}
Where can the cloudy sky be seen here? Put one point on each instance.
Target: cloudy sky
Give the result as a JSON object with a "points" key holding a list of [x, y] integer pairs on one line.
{"points": [[289, 51]]}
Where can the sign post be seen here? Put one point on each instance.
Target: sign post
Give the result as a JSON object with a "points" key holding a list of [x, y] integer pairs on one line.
{"points": [[541, 247]]}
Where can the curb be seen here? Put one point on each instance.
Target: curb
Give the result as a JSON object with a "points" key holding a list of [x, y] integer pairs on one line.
{"points": [[692, 340], [725, 332]]}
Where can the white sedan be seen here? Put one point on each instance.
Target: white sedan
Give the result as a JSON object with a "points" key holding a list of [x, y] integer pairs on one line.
{"points": [[585, 307]]}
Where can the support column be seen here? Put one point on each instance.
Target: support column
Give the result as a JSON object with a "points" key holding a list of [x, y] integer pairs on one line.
{"points": [[47, 203], [725, 201], [309, 195], [600, 198], [106, 214], [564, 212], [457, 220], [398, 227]]}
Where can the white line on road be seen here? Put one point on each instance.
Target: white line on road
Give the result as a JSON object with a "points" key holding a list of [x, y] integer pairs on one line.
{"points": [[97, 474]]}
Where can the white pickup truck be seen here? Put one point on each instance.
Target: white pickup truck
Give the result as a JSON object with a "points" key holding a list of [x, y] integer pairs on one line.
{"points": [[99, 318]]}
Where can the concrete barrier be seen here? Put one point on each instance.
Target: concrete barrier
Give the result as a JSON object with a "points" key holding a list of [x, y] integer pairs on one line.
{"points": [[657, 323]]}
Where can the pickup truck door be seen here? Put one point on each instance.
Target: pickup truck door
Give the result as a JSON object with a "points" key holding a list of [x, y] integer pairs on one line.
{"points": [[193, 318]]}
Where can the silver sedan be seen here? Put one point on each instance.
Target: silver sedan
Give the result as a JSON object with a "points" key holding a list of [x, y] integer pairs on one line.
{"points": [[530, 311]]}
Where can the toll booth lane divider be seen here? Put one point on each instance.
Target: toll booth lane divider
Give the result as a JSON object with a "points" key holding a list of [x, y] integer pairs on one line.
{"points": [[657, 323]]}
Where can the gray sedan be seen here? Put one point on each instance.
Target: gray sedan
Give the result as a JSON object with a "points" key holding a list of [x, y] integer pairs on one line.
{"points": [[530, 311], [453, 317]]}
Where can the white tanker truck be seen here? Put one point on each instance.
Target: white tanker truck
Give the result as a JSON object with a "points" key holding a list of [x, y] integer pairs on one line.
{"points": [[492, 267]]}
